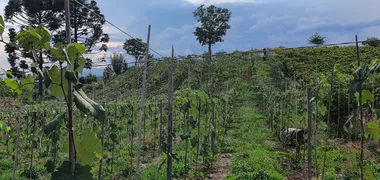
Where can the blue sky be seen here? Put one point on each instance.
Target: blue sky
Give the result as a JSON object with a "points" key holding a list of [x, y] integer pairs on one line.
{"points": [[254, 23]]}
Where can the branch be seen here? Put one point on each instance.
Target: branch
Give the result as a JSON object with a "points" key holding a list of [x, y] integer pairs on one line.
{"points": [[22, 20]]}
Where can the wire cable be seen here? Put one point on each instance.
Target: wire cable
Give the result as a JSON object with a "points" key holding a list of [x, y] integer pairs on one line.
{"points": [[121, 30]]}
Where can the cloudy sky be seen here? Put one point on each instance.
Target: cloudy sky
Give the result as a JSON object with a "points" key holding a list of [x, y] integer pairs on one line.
{"points": [[254, 23]]}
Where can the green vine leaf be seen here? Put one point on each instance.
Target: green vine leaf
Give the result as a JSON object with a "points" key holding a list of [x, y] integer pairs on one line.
{"points": [[369, 175], [47, 78], [11, 83], [88, 106], [2, 25], [81, 64], [372, 129], [53, 125], [87, 148], [56, 89], [57, 51], [367, 96], [27, 83]]}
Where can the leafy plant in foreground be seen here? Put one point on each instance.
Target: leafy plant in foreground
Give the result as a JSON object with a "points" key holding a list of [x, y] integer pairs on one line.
{"points": [[57, 78]]}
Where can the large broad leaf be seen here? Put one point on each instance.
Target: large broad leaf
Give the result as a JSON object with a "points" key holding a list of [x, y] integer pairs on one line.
{"points": [[367, 96], [44, 33], [57, 51], [81, 64], [74, 50], [33, 33], [369, 175], [56, 88], [2, 25], [55, 74], [27, 83], [372, 129], [11, 83], [86, 148], [322, 109], [47, 78], [54, 124], [63, 172], [70, 75], [88, 106]]}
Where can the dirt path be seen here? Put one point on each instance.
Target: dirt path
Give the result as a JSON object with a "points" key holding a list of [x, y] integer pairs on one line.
{"points": [[221, 167]]}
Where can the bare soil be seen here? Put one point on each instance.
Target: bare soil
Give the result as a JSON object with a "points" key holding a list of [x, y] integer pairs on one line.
{"points": [[221, 167]]}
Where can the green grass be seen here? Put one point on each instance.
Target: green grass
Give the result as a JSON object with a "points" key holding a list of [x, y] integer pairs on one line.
{"points": [[252, 158]]}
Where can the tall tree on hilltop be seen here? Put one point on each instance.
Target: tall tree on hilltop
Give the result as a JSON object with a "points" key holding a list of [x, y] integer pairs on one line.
{"points": [[118, 63], [34, 13], [214, 25], [10, 48], [316, 39], [136, 48], [372, 41], [87, 25]]}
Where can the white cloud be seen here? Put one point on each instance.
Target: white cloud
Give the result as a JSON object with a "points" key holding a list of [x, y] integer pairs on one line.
{"points": [[179, 37], [114, 44], [3, 3], [209, 2], [270, 23]]}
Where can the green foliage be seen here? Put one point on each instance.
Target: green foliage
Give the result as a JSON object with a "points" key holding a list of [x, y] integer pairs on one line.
{"points": [[253, 159], [13, 85], [53, 125], [316, 39], [91, 78], [136, 48], [4, 127], [372, 41], [63, 172], [214, 24], [369, 175], [2, 26], [88, 106], [118, 63], [108, 73], [372, 129], [87, 148]]}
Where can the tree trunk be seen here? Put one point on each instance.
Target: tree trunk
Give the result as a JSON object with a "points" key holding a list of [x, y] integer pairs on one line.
{"points": [[209, 52], [40, 80], [75, 22]]}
